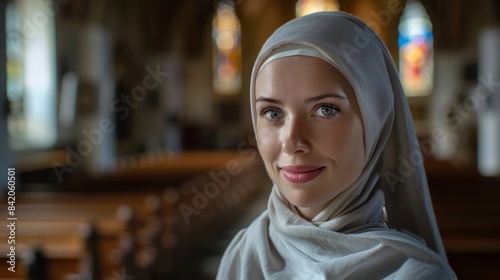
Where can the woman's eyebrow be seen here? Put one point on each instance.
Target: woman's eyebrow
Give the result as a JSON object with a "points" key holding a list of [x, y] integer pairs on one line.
{"points": [[323, 96], [267, 99], [309, 100]]}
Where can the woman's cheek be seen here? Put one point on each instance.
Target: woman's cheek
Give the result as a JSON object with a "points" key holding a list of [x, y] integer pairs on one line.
{"points": [[266, 139]]}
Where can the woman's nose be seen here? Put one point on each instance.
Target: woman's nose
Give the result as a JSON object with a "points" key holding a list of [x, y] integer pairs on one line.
{"points": [[294, 138]]}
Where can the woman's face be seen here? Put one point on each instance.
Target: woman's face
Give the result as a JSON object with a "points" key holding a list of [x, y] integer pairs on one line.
{"points": [[309, 131]]}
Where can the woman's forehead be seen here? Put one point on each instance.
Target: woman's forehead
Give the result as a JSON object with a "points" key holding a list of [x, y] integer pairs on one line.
{"points": [[299, 72]]}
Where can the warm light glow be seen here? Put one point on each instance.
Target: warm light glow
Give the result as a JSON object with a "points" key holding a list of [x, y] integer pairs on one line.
{"points": [[227, 50], [416, 64], [225, 41], [305, 7]]}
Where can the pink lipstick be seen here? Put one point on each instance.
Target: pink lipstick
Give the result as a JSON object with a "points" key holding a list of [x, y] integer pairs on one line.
{"points": [[301, 173]]}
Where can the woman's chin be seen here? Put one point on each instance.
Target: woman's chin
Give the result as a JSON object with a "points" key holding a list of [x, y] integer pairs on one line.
{"points": [[306, 202]]}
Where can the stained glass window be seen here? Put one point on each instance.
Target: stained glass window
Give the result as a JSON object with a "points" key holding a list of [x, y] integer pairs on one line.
{"points": [[226, 35], [415, 41], [305, 7]]}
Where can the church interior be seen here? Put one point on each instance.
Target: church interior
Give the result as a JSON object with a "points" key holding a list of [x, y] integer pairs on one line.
{"points": [[126, 143]]}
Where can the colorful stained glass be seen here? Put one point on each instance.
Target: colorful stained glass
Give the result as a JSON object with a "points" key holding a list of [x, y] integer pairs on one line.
{"points": [[416, 60], [226, 35]]}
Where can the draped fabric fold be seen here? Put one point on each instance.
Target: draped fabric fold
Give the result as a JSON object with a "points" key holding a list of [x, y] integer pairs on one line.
{"points": [[349, 239]]}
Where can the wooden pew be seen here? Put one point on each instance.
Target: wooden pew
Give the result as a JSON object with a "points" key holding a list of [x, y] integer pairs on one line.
{"points": [[60, 236], [467, 208], [54, 221]]}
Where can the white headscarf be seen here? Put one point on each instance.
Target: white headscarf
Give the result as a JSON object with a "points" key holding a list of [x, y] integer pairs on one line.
{"points": [[349, 238]]}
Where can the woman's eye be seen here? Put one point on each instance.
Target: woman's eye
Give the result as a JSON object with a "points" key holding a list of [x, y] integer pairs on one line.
{"points": [[327, 110], [272, 114]]}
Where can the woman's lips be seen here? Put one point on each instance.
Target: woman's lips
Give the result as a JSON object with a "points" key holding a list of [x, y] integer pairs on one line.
{"points": [[301, 173]]}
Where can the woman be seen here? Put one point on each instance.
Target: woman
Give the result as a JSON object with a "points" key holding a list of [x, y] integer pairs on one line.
{"points": [[336, 136]]}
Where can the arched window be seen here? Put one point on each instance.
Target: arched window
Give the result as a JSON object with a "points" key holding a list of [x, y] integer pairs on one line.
{"points": [[31, 75], [305, 7], [226, 35], [416, 59]]}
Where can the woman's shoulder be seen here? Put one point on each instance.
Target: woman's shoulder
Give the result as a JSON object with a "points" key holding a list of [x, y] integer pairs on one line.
{"points": [[420, 261], [255, 231], [243, 247]]}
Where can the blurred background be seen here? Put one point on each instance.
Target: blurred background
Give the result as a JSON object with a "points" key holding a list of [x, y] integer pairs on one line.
{"points": [[127, 143]]}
